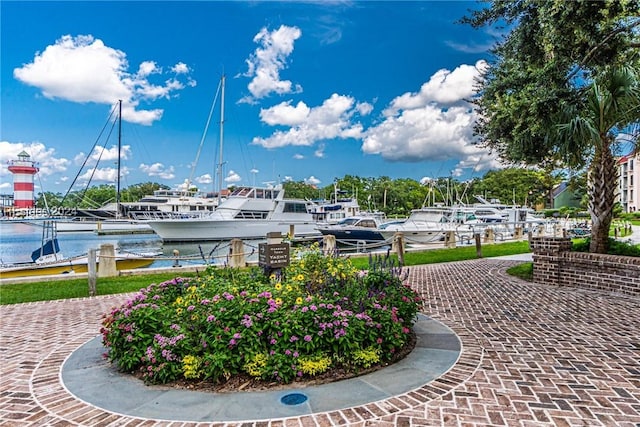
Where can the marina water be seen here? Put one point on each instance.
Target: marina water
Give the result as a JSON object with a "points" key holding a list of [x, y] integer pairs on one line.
{"points": [[19, 239]]}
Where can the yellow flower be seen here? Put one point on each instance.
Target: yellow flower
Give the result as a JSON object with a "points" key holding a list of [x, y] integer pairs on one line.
{"points": [[300, 277], [279, 301], [289, 288], [179, 310], [179, 300], [191, 289], [299, 300], [278, 286], [272, 277]]}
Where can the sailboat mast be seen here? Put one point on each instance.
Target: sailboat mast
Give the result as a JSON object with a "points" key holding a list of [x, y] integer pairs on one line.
{"points": [[119, 151], [221, 139]]}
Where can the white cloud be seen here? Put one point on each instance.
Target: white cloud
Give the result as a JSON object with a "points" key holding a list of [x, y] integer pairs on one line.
{"points": [[312, 180], [185, 186], [181, 68], [106, 154], [434, 124], [298, 156], [330, 120], [157, 169], [147, 68], [107, 175], [45, 158], [83, 69], [443, 88], [204, 179], [425, 180], [284, 114], [265, 64], [319, 153], [232, 177]]}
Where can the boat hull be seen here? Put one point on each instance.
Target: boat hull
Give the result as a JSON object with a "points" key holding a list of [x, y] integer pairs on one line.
{"points": [[353, 235], [194, 230], [416, 236], [67, 267]]}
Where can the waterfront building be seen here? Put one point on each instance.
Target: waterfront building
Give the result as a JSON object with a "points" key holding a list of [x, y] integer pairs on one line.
{"points": [[628, 177]]}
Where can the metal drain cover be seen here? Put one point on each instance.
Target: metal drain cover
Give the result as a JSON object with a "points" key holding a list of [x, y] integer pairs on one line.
{"points": [[293, 399]]}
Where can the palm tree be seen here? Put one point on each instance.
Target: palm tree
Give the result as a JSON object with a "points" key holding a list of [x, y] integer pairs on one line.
{"points": [[611, 111]]}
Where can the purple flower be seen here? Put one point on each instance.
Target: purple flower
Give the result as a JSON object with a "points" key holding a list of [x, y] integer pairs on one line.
{"points": [[293, 338], [211, 318], [273, 341], [307, 338], [246, 321], [191, 308], [287, 352]]}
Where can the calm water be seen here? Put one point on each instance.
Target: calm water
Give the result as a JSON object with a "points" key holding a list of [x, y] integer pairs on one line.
{"points": [[18, 240]]}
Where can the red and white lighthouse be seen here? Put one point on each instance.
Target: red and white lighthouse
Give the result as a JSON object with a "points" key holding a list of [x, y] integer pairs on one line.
{"points": [[23, 171]]}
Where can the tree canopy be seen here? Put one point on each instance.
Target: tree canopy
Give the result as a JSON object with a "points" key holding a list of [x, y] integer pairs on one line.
{"points": [[541, 81]]}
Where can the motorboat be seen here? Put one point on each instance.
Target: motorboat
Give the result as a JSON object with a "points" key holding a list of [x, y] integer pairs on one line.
{"points": [[247, 213], [356, 228], [426, 225], [48, 259]]}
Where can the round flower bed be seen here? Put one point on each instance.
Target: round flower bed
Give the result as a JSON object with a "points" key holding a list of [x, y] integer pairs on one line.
{"points": [[320, 313]]}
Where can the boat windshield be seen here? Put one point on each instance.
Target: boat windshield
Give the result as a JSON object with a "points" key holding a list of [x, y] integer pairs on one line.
{"points": [[348, 221]]}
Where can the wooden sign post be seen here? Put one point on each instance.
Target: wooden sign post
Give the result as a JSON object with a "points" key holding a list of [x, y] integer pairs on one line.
{"points": [[273, 255]]}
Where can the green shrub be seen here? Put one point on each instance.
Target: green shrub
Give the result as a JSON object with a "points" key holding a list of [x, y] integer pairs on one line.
{"points": [[320, 312], [614, 247]]}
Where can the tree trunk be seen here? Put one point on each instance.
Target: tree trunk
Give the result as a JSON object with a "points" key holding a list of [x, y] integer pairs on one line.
{"points": [[603, 179]]}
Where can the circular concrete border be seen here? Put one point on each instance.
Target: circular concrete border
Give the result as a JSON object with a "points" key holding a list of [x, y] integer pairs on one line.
{"points": [[438, 363], [48, 387]]}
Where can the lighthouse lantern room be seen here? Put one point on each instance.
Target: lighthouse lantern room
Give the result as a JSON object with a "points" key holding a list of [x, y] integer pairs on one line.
{"points": [[23, 171]]}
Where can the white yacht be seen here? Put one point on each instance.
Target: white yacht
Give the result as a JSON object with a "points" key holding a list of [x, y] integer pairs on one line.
{"points": [[247, 213], [426, 225]]}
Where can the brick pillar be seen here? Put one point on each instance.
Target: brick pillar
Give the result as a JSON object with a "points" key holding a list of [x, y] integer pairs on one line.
{"points": [[547, 257]]}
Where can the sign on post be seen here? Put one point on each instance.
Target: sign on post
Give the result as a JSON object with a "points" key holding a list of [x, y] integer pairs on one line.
{"points": [[273, 255]]}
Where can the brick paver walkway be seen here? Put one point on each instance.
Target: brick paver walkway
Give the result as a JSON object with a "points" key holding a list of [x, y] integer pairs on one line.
{"points": [[533, 355]]}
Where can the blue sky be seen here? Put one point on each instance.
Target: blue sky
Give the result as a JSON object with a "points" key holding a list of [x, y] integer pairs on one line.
{"points": [[314, 91]]}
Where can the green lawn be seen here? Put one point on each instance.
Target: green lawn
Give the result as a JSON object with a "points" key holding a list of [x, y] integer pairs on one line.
{"points": [[77, 288]]}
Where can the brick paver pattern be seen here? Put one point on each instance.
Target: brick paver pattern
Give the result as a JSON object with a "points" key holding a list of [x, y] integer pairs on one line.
{"points": [[533, 355]]}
